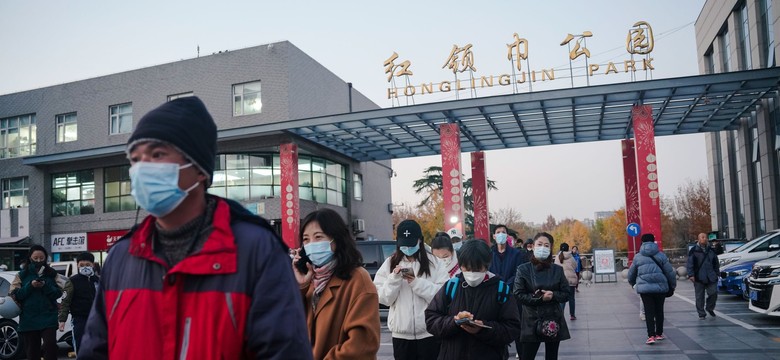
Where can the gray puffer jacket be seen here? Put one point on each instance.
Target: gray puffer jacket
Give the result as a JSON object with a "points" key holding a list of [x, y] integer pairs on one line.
{"points": [[647, 276]]}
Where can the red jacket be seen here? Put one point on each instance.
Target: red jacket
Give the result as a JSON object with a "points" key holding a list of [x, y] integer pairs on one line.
{"points": [[236, 298]]}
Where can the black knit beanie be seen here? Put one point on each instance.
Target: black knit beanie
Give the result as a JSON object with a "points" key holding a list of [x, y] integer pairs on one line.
{"points": [[184, 123], [648, 238]]}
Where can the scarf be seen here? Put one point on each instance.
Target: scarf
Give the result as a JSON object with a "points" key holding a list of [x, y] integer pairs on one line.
{"points": [[320, 280]]}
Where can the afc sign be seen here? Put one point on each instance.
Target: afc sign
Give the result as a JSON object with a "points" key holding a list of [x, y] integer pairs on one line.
{"points": [[69, 242]]}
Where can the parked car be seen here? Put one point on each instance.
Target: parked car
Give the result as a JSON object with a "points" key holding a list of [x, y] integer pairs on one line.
{"points": [[374, 253], [762, 247], [11, 346], [763, 287], [732, 277]]}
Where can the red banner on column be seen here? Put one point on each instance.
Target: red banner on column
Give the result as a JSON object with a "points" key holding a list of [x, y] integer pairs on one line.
{"points": [[291, 217], [647, 171], [479, 196], [632, 194], [452, 179]]}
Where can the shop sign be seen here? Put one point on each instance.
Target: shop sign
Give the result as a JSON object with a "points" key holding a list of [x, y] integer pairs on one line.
{"points": [[69, 242], [103, 240]]}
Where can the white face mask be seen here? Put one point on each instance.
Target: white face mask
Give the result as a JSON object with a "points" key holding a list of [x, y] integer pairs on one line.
{"points": [[541, 252], [445, 261], [457, 245], [474, 278]]}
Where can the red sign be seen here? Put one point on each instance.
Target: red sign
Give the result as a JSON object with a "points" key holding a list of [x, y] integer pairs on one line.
{"points": [[103, 240], [291, 218], [647, 172], [451, 176], [632, 194]]}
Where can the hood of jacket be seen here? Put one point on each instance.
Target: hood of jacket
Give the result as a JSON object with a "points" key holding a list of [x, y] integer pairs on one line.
{"points": [[649, 249]]}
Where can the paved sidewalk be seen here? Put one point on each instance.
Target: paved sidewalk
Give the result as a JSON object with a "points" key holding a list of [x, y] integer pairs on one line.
{"points": [[608, 327]]}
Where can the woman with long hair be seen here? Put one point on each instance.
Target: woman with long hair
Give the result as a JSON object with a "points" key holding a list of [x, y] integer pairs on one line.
{"points": [[541, 286], [442, 249], [566, 260], [407, 282], [37, 292], [341, 303]]}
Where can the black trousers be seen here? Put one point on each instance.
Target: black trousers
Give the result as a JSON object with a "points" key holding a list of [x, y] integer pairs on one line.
{"points": [[79, 323], [654, 313], [531, 348], [32, 343], [422, 349]]}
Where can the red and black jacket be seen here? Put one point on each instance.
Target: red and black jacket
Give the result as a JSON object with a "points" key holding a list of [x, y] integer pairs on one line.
{"points": [[236, 298]]}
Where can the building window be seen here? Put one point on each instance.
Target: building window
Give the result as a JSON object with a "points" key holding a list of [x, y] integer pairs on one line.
{"points": [[246, 99], [73, 193], [767, 32], [17, 136], [15, 192], [744, 39], [357, 186], [179, 96], [116, 183], [67, 127], [251, 177], [709, 63], [725, 50], [121, 118]]}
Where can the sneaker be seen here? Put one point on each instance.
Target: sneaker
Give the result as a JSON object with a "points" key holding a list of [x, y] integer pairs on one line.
{"points": [[650, 340], [711, 312], [573, 317], [642, 317], [702, 317], [660, 337]]}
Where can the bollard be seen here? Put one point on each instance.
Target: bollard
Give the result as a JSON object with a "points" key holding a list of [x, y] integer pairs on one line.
{"points": [[682, 272]]}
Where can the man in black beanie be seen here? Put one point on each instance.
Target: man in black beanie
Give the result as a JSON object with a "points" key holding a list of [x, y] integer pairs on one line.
{"points": [[200, 276]]}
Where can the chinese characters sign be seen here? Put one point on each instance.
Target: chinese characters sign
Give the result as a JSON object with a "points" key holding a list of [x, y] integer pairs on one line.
{"points": [[639, 41], [69, 242]]}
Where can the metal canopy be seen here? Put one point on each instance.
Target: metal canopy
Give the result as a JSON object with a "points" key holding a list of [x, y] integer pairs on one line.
{"points": [[686, 105]]}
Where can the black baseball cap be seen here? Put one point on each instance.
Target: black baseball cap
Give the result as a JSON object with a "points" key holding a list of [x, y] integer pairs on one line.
{"points": [[408, 233]]}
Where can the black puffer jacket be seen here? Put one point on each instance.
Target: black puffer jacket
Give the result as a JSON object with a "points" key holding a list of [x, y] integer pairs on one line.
{"points": [[483, 302], [527, 280]]}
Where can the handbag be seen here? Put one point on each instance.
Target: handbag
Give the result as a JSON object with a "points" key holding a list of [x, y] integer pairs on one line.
{"points": [[547, 323], [670, 292]]}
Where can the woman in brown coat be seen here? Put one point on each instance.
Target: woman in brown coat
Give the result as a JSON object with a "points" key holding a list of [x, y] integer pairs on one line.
{"points": [[340, 300]]}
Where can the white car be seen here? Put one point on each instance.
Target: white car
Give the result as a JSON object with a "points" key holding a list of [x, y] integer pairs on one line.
{"points": [[11, 346], [763, 281], [760, 248]]}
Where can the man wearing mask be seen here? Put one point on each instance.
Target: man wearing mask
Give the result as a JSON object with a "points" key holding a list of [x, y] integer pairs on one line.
{"points": [[200, 277], [456, 237], [505, 261], [703, 269], [79, 294]]}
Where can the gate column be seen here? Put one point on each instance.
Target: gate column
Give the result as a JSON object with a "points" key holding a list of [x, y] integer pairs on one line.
{"points": [[451, 176], [632, 194], [291, 213], [479, 196], [647, 171]]}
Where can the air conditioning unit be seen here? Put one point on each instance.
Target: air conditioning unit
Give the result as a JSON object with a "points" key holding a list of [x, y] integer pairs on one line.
{"points": [[359, 225]]}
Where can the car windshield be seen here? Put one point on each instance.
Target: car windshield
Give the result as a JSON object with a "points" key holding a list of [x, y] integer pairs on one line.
{"points": [[369, 253], [753, 242]]}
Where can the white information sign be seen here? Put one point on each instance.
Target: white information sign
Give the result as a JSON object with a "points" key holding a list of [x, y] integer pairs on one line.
{"points": [[68, 242], [604, 261]]}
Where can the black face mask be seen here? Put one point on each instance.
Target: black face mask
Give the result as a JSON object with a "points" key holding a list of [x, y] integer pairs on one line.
{"points": [[37, 264]]}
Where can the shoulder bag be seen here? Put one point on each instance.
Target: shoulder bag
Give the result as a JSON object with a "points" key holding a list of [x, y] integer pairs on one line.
{"points": [[670, 292]]}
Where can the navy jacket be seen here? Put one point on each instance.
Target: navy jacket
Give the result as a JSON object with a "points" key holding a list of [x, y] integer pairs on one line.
{"points": [[703, 265], [506, 267]]}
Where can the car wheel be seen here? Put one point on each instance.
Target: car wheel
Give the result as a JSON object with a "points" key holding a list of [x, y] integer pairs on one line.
{"points": [[10, 340]]}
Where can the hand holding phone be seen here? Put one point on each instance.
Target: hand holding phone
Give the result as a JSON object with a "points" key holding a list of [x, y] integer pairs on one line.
{"points": [[303, 259]]}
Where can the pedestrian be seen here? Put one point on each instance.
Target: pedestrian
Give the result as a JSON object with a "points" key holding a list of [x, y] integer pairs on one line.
{"points": [[80, 290], [340, 301], [407, 282], [37, 292], [575, 254], [529, 248], [541, 287], [654, 278], [443, 251], [474, 314], [456, 236], [505, 261], [703, 269], [569, 265], [200, 277]]}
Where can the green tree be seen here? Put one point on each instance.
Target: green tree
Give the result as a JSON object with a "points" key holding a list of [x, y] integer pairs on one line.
{"points": [[431, 183]]}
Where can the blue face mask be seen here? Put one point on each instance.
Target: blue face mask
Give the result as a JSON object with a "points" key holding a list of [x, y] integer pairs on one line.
{"points": [[319, 252], [410, 250], [501, 238], [155, 186]]}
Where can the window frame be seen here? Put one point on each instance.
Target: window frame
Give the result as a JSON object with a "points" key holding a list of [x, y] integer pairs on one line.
{"points": [[86, 205], [61, 122], [123, 183], [112, 118], [7, 190], [239, 97]]}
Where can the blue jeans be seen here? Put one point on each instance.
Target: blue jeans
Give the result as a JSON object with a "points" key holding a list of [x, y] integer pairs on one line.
{"points": [[571, 302]]}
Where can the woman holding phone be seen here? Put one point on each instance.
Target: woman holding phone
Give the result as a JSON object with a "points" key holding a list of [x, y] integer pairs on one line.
{"points": [[341, 305], [541, 287], [407, 282]]}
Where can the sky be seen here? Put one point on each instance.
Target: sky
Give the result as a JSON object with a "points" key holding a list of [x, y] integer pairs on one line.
{"points": [[46, 43]]}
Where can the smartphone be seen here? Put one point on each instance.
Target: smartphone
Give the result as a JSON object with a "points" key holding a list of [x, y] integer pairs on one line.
{"points": [[471, 322], [538, 293], [406, 270], [301, 264], [462, 321]]}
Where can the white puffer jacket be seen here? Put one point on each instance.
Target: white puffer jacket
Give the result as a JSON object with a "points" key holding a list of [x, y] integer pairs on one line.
{"points": [[569, 267], [408, 301]]}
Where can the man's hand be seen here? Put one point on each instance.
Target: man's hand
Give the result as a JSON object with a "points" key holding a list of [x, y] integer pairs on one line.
{"points": [[691, 278], [37, 284], [547, 295], [62, 326]]}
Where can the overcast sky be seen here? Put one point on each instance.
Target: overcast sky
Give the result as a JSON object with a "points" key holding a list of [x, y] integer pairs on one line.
{"points": [[52, 42]]}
